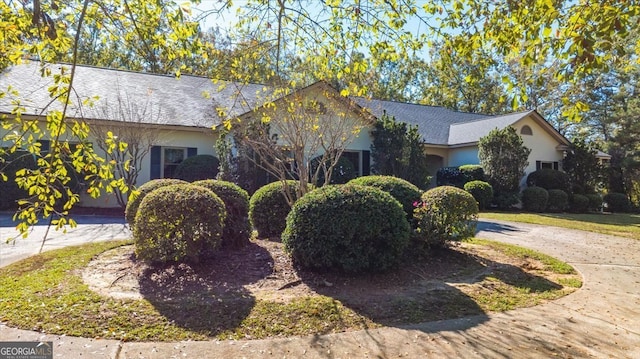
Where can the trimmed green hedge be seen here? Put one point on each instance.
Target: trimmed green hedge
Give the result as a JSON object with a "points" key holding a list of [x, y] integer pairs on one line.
{"points": [[558, 200], [617, 202], [268, 208], [481, 191], [535, 199], [237, 230], [445, 214], [404, 191], [133, 204], [180, 222], [349, 227], [549, 179], [579, 203]]}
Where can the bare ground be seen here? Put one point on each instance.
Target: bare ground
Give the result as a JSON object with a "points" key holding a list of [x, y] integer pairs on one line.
{"points": [[263, 271]]}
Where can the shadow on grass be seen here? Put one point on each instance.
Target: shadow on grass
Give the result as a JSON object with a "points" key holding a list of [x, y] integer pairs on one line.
{"points": [[207, 297], [426, 289], [416, 291]]}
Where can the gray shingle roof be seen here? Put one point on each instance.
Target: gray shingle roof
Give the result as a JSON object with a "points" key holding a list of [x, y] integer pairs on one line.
{"points": [[173, 101], [180, 102], [433, 122], [468, 132]]}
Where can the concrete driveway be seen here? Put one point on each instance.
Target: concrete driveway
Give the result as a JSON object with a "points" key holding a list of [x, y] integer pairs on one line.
{"points": [[89, 229], [601, 320]]}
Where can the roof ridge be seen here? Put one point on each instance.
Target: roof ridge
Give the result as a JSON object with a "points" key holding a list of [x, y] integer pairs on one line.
{"points": [[422, 105], [490, 117]]}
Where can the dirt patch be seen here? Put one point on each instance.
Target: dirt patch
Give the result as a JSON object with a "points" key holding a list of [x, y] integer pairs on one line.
{"points": [[263, 271]]}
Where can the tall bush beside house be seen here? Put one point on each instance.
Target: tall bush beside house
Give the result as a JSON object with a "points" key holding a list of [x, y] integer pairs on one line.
{"points": [[268, 208], [535, 199], [617, 202], [176, 223], [237, 230], [350, 228], [450, 176], [446, 214], [503, 157], [481, 191], [145, 189], [558, 200], [404, 191]]}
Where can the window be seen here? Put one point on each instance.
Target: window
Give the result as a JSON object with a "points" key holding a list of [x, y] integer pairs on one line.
{"points": [[171, 158], [354, 158], [552, 165], [165, 160], [526, 130]]}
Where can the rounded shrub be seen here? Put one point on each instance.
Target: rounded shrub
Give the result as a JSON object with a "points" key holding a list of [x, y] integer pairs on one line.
{"points": [[268, 208], [472, 172], [535, 199], [133, 204], [404, 191], [595, 202], [481, 191], [558, 200], [445, 214], [549, 179], [579, 203], [450, 176], [237, 230], [196, 168], [179, 222], [617, 202], [349, 227]]}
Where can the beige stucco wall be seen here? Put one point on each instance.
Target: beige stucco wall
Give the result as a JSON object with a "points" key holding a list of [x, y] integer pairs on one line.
{"points": [[543, 146]]}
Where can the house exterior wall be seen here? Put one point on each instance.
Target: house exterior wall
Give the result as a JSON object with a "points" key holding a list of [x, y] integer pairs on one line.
{"points": [[543, 146], [463, 156]]}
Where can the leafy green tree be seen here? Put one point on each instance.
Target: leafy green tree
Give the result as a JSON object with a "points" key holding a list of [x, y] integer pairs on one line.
{"points": [[503, 157], [397, 150], [582, 166]]}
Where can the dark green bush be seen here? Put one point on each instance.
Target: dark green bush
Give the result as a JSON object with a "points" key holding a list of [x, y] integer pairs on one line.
{"points": [[595, 202], [450, 176], [196, 168], [404, 191], [535, 199], [349, 227], [549, 179], [558, 200], [133, 204], [237, 230], [617, 202], [180, 222], [268, 208], [472, 173], [481, 191], [506, 200], [445, 214], [579, 203], [10, 193]]}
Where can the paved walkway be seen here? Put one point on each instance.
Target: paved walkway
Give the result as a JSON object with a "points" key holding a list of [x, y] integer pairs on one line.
{"points": [[601, 320]]}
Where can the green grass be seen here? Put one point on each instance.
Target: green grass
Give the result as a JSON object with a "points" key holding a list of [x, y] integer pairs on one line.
{"points": [[46, 293], [617, 224], [552, 264]]}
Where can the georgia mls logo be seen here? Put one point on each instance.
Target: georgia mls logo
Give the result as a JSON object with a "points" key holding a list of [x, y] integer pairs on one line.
{"points": [[26, 350]]}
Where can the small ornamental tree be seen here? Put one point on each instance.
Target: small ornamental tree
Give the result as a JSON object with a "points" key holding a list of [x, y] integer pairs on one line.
{"points": [[582, 166], [504, 157]]}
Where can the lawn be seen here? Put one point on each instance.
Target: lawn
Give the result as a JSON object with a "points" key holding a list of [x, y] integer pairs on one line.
{"points": [[47, 293], [617, 224]]}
